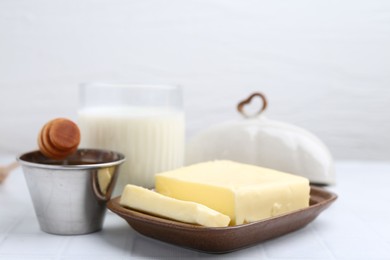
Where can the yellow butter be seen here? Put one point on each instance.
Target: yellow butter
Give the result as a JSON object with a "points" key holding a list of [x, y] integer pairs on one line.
{"points": [[245, 193], [151, 202], [104, 178]]}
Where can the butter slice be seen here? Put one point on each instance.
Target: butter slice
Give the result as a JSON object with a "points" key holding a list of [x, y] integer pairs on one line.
{"points": [[104, 178], [245, 193], [151, 202]]}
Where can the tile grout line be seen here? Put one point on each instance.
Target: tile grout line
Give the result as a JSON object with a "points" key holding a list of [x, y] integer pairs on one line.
{"points": [[322, 242], [128, 253], [63, 247], [8, 231]]}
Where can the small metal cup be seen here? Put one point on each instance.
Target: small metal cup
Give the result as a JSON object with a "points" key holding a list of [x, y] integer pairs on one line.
{"points": [[70, 196]]}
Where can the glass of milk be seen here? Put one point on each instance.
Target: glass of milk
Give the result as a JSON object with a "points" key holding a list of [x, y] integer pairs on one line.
{"points": [[144, 122]]}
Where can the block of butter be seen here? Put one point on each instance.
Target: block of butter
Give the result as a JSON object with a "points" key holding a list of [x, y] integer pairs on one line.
{"points": [[151, 202], [245, 193]]}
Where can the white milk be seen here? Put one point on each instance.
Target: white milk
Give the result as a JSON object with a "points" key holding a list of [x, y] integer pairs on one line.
{"points": [[151, 139]]}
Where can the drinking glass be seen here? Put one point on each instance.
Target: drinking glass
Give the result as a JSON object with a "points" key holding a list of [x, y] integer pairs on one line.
{"points": [[144, 122]]}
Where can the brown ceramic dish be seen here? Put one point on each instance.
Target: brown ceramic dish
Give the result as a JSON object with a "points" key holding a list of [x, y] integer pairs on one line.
{"points": [[227, 239]]}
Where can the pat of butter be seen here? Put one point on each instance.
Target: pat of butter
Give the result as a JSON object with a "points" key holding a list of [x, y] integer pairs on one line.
{"points": [[104, 178], [245, 193], [148, 201]]}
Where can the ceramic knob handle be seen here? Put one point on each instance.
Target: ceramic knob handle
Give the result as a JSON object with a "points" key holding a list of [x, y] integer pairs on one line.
{"points": [[59, 138]]}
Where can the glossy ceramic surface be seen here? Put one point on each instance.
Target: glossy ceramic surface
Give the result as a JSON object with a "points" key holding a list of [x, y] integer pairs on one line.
{"points": [[267, 143], [263, 142], [223, 240]]}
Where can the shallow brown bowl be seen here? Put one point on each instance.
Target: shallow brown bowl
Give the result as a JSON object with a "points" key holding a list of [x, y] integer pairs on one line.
{"points": [[226, 239]]}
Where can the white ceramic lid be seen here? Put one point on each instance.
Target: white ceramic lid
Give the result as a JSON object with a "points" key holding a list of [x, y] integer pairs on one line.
{"points": [[268, 143]]}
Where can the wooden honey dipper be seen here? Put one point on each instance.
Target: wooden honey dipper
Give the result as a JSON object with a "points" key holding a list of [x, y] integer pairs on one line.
{"points": [[59, 138]]}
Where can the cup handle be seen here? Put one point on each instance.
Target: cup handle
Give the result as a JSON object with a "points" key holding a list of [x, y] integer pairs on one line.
{"points": [[96, 189]]}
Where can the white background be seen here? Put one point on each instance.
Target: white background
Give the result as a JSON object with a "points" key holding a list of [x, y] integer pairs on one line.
{"points": [[324, 65]]}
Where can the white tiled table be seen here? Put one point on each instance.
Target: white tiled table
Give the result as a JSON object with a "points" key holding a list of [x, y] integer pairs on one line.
{"points": [[356, 226]]}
